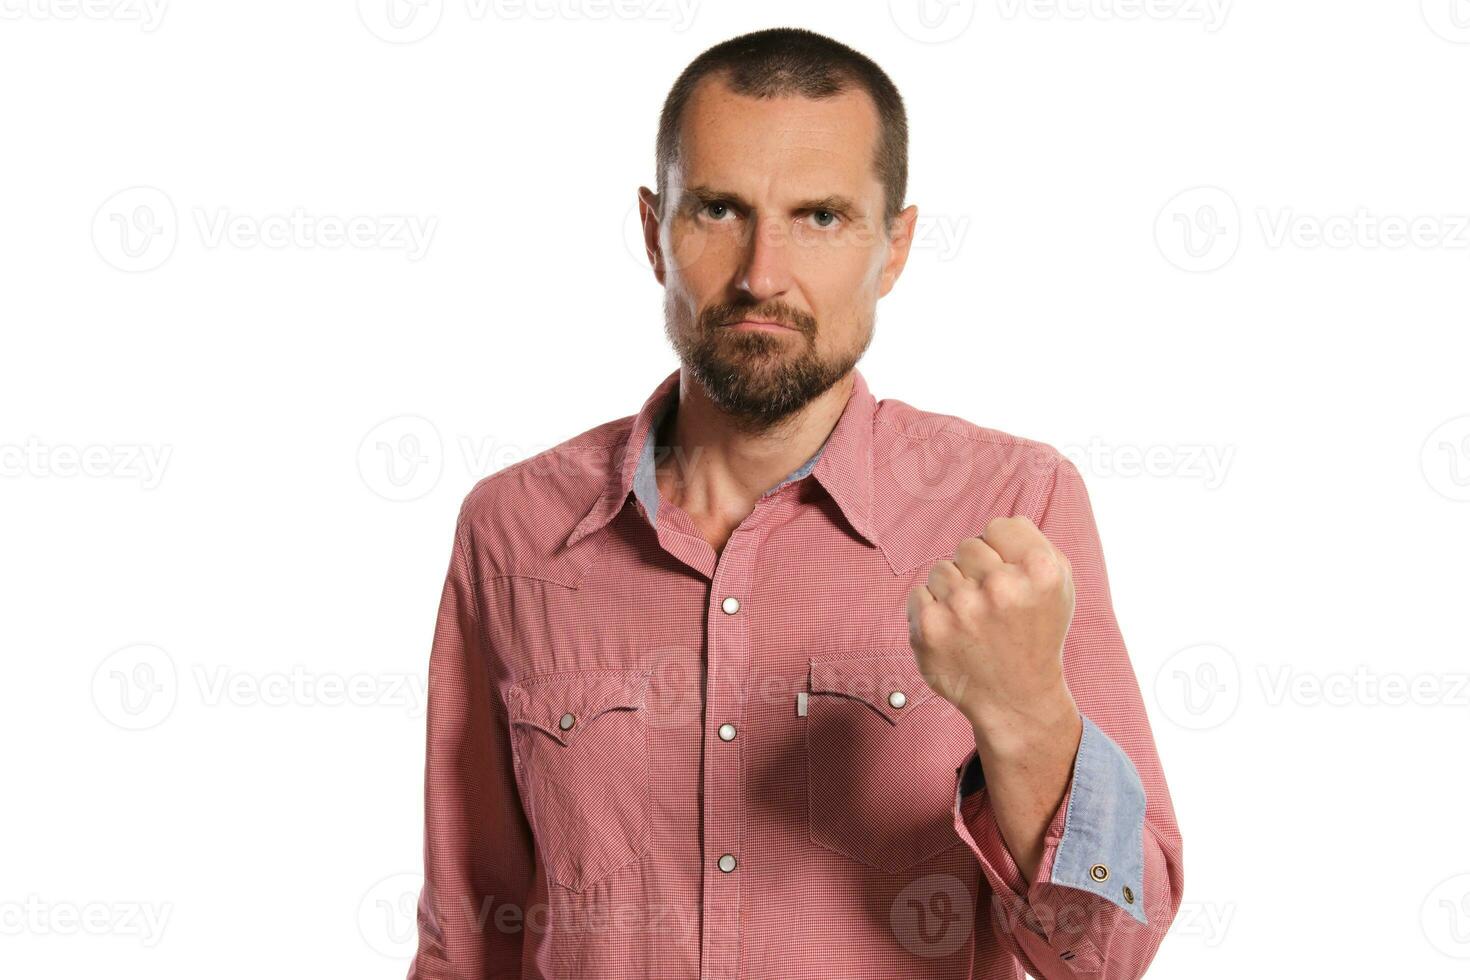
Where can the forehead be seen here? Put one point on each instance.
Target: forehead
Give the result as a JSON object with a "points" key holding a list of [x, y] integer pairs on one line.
{"points": [[732, 140]]}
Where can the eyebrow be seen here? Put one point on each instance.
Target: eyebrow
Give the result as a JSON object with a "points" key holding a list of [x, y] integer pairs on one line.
{"points": [[703, 194]]}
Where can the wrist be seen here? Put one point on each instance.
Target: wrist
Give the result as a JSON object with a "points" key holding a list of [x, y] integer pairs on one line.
{"points": [[1007, 731]]}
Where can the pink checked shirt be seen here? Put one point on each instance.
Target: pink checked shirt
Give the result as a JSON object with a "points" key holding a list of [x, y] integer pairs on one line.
{"points": [[649, 760]]}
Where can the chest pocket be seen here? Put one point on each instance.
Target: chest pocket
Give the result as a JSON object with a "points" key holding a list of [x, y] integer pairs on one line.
{"points": [[581, 749], [882, 749]]}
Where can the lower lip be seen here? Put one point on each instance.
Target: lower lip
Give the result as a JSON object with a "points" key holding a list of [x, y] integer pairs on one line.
{"points": [[752, 325]]}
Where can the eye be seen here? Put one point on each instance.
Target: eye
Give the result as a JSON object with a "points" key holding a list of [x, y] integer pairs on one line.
{"points": [[716, 209], [825, 219]]}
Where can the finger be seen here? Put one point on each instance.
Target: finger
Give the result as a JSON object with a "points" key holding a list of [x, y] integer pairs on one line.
{"points": [[944, 578], [920, 598], [976, 558], [1012, 537]]}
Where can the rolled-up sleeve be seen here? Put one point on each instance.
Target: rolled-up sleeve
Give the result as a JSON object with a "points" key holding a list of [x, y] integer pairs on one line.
{"points": [[1111, 874]]}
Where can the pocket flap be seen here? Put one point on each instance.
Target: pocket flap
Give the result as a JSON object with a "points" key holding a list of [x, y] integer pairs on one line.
{"points": [[890, 683], [563, 704]]}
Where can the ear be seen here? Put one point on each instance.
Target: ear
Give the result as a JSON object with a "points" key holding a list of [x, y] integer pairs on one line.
{"points": [[648, 205], [900, 240]]}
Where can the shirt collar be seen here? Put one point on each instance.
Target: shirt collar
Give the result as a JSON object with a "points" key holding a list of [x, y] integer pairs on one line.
{"points": [[843, 465]]}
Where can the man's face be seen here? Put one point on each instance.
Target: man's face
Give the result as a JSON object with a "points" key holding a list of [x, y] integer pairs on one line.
{"points": [[775, 214]]}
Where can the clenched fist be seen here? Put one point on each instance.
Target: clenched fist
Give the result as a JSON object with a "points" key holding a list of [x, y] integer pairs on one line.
{"points": [[987, 628]]}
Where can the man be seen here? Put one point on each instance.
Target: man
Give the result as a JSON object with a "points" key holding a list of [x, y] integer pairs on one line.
{"points": [[740, 686]]}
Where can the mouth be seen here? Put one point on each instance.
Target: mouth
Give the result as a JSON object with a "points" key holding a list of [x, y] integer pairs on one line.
{"points": [[758, 325]]}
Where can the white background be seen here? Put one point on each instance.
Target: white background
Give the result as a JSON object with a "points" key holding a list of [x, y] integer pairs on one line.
{"points": [[1217, 252]]}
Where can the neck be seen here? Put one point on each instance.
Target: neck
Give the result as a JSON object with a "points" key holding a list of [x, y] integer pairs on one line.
{"points": [[717, 471]]}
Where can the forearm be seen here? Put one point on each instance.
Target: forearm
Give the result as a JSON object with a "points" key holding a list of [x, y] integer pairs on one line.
{"points": [[1027, 758]]}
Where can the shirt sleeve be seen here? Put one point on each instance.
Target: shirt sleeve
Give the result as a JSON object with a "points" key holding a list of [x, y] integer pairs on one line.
{"points": [[1111, 874], [478, 856]]}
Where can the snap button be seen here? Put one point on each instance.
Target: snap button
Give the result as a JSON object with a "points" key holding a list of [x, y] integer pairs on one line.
{"points": [[567, 721], [727, 863], [731, 605], [898, 699], [1127, 894], [1099, 872], [727, 732]]}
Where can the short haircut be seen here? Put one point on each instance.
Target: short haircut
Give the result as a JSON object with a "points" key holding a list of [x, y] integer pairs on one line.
{"points": [[792, 61]]}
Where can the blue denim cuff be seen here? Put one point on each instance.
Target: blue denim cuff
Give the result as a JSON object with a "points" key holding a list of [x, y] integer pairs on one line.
{"points": [[1101, 850]]}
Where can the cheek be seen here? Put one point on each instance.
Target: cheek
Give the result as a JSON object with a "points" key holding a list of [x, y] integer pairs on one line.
{"points": [[703, 259], [843, 280]]}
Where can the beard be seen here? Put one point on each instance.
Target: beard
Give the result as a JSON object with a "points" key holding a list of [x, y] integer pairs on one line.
{"points": [[754, 377]]}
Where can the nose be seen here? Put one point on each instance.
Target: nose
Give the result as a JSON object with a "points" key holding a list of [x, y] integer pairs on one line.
{"points": [[766, 269]]}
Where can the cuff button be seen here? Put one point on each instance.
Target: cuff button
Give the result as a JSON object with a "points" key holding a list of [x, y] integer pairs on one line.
{"points": [[1099, 872]]}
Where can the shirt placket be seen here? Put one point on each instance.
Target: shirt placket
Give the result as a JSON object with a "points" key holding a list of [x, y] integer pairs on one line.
{"points": [[728, 656]]}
